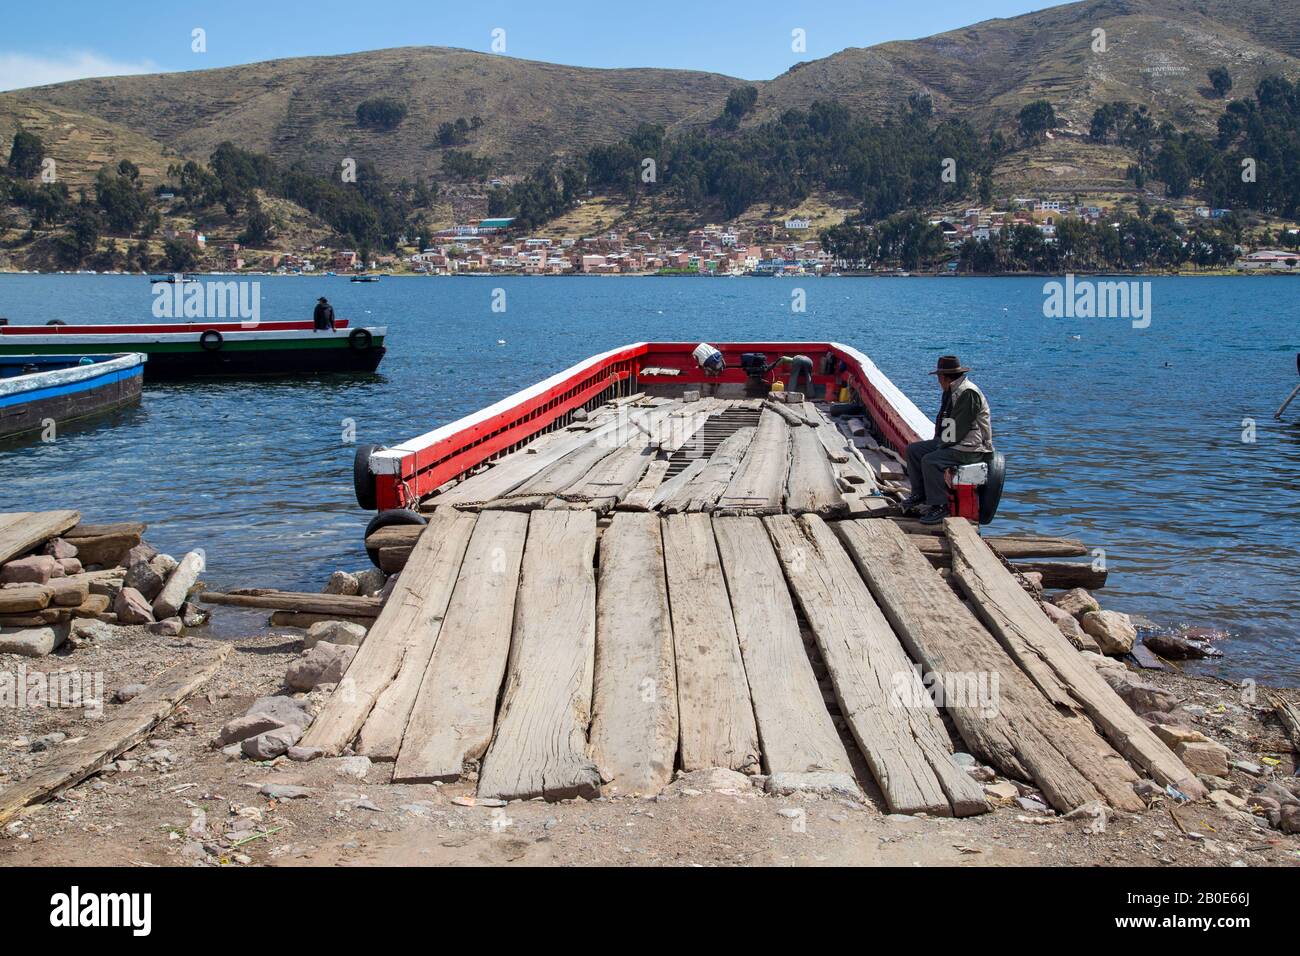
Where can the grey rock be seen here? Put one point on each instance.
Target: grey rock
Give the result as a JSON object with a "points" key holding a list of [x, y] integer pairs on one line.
{"points": [[33, 641], [709, 778], [164, 564], [304, 754], [59, 548], [284, 791], [323, 664], [144, 579], [46, 741], [1076, 602], [168, 627], [87, 630], [1289, 818], [1279, 793], [1113, 631], [192, 615], [128, 692], [341, 582], [272, 744], [356, 767], [825, 782], [242, 728], [1142, 697], [142, 553], [286, 709], [343, 633], [1175, 647], [370, 581]]}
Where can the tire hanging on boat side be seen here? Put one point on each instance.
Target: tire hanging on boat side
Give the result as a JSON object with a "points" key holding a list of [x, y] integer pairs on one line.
{"points": [[386, 519], [991, 490], [359, 340], [211, 340], [363, 481]]}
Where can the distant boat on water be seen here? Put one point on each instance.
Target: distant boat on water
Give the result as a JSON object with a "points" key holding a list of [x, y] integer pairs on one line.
{"points": [[366, 278]]}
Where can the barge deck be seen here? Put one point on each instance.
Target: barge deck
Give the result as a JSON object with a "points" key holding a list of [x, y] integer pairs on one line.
{"points": [[677, 581]]}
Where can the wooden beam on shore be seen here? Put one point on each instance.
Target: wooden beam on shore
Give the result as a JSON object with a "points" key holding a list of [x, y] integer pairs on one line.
{"points": [[20, 531], [1065, 574], [1289, 716], [716, 717], [1015, 729], [410, 618], [1051, 661], [758, 486], [897, 727], [127, 726], [540, 746], [796, 732], [349, 605], [454, 710], [1010, 546], [634, 722]]}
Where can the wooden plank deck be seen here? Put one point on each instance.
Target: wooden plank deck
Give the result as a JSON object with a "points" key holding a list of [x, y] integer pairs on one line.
{"points": [[555, 653], [540, 745]]}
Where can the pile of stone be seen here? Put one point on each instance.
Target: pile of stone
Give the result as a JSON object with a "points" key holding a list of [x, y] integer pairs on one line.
{"points": [[74, 588], [1089, 628]]}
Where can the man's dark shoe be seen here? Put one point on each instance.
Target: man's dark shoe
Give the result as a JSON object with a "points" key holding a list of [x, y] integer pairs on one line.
{"points": [[934, 515], [911, 503]]}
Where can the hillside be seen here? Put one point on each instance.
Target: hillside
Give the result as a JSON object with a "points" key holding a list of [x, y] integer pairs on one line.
{"points": [[305, 108], [1157, 54]]}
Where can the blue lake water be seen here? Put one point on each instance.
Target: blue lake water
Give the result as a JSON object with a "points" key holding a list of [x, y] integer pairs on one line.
{"points": [[1129, 438]]}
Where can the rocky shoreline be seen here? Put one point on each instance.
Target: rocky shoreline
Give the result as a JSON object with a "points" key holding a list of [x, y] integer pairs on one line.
{"points": [[222, 780]]}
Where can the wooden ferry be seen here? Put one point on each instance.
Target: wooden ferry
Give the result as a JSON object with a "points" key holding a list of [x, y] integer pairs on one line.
{"points": [[37, 389], [194, 349], [636, 568]]}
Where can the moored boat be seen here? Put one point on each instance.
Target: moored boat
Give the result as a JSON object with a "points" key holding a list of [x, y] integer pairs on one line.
{"points": [[417, 471], [195, 349], [36, 390]]}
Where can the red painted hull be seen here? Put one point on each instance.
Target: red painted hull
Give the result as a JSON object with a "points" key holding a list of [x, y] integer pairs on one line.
{"points": [[414, 469]]}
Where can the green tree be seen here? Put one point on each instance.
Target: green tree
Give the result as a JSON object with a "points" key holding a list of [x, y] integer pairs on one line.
{"points": [[1035, 119], [26, 154], [1220, 80], [384, 113]]}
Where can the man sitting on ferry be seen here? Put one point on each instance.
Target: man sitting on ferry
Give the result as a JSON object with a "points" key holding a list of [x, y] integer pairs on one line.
{"points": [[963, 434]]}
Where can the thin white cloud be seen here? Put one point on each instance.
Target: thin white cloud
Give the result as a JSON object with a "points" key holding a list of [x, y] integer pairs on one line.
{"points": [[18, 70]]}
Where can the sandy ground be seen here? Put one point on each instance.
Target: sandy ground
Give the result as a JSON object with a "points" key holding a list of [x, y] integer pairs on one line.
{"points": [[179, 801]]}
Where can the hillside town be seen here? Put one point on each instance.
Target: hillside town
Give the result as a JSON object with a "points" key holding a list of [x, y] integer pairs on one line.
{"points": [[793, 246]]}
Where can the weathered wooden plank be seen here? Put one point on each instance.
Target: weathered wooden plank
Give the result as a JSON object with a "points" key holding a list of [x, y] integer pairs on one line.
{"points": [[1010, 724], [810, 485], [1035, 643], [635, 425], [639, 498], [410, 620], [794, 727], [716, 717], [303, 602], [126, 528], [634, 706], [1065, 574], [1010, 545], [702, 492], [1288, 714], [540, 744], [20, 531], [758, 487], [453, 714], [787, 414], [673, 484], [609, 480], [896, 725], [512, 470], [130, 724], [838, 447]]}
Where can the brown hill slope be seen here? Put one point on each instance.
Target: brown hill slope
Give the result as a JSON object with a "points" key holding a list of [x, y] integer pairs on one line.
{"points": [[306, 108], [1157, 54]]}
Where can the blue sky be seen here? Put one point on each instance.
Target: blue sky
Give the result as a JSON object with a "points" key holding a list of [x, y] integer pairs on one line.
{"points": [[46, 42]]}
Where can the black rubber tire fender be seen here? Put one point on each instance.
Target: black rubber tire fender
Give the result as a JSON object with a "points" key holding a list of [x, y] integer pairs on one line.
{"points": [[363, 482], [360, 340], [211, 341], [991, 490], [386, 519]]}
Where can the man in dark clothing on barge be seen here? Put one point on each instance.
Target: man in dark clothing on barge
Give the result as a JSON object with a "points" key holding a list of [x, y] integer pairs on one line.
{"points": [[963, 436], [323, 317]]}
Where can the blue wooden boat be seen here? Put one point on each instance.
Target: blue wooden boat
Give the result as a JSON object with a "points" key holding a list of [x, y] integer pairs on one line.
{"points": [[38, 389]]}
